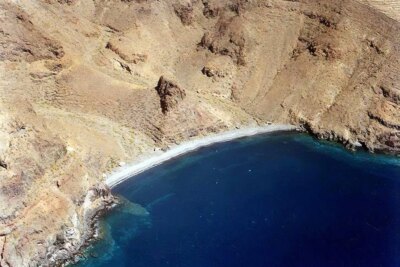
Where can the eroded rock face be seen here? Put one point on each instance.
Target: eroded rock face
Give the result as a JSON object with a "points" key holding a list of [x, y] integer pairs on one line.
{"points": [[69, 242], [185, 13], [227, 38], [170, 94], [77, 94], [21, 39]]}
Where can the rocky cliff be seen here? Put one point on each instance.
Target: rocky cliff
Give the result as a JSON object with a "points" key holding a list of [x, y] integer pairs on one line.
{"points": [[83, 88]]}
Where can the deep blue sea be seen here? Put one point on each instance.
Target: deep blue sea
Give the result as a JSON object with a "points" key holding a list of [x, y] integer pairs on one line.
{"points": [[283, 200]]}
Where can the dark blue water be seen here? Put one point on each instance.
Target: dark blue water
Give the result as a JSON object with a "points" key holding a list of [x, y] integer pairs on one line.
{"points": [[279, 200]]}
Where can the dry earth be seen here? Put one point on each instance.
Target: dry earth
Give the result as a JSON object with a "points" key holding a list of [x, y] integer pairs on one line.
{"points": [[81, 91]]}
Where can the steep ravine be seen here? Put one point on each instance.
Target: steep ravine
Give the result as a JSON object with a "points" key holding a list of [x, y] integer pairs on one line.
{"points": [[88, 85]]}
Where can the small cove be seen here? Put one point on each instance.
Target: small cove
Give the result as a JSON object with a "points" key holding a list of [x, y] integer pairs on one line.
{"points": [[282, 199]]}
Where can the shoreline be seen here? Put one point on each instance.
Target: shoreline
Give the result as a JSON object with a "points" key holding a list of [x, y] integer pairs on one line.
{"points": [[126, 172], [106, 201]]}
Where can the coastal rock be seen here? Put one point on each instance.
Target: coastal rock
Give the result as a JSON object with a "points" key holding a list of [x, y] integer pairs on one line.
{"points": [[71, 240]]}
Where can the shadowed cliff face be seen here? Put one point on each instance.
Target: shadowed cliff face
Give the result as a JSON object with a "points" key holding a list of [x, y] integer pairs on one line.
{"points": [[80, 93]]}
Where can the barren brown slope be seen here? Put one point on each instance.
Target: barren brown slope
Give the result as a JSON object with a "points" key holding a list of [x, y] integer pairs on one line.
{"points": [[81, 92], [389, 7]]}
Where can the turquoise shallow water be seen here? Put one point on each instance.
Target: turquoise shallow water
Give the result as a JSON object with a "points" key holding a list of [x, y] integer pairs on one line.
{"points": [[271, 200]]}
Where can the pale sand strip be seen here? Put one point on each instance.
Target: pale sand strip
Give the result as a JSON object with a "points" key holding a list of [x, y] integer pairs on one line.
{"points": [[123, 173]]}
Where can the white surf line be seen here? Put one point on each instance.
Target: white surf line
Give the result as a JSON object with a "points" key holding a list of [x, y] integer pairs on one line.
{"points": [[123, 173]]}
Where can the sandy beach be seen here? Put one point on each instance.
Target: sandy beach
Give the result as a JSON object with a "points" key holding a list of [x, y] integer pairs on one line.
{"points": [[125, 172]]}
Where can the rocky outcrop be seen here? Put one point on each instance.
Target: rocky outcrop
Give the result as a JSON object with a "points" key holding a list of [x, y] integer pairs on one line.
{"points": [[389, 141], [227, 38], [117, 46], [170, 94], [211, 8], [185, 13], [68, 244], [69, 2]]}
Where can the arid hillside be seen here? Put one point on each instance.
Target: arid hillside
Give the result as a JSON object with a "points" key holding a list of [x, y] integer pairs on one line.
{"points": [[88, 85], [389, 7]]}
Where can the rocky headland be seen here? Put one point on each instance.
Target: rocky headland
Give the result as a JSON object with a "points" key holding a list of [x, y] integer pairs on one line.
{"points": [[88, 85]]}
